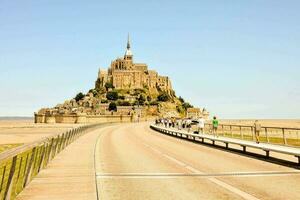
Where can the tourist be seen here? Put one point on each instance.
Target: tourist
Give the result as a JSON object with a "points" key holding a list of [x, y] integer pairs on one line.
{"points": [[201, 124], [189, 124], [215, 124], [257, 129], [170, 123], [179, 123], [173, 122]]}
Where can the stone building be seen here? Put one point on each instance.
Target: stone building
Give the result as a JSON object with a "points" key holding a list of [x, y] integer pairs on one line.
{"points": [[123, 73], [195, 113]]}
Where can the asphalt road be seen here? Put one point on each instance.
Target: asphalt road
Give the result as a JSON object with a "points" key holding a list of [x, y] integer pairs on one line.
{"points": [[135, 162]]}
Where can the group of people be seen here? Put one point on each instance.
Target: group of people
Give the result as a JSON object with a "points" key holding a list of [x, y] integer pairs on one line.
{"points": [[186, 123], [174, 122], [182, 123]]}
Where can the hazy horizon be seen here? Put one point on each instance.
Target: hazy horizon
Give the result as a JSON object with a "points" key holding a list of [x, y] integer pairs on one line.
{"points": [[238, 59]]}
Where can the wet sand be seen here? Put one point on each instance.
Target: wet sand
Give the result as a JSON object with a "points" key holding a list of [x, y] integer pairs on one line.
{"points": [[290, 123], [14, 131]]}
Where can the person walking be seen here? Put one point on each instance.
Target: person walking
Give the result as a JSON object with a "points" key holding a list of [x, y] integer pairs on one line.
{"points": [[189, 124], [215, 124], [257, 129], [179, 122], [201, 124]]}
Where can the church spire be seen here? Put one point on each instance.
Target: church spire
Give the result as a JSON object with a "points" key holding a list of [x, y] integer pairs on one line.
{"points": [[128, 53], [128, 42]]}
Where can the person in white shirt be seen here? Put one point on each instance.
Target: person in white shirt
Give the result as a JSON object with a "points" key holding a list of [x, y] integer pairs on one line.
{"points": [[188, 124], [201, 124], [179, 122]]}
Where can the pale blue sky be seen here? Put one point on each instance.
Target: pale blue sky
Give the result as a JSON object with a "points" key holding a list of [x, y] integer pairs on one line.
{"points": [[238, 59]]}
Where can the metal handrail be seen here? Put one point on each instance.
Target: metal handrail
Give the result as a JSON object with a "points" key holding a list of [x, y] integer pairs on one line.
{"points": [[248, 126], [265, 147]]}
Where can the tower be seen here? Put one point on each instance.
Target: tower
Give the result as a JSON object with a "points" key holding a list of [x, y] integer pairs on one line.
{"points": [[128, 54]]}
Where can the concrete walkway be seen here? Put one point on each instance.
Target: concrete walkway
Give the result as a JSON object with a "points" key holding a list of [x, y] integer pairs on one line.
{"points": [[70, 175]]}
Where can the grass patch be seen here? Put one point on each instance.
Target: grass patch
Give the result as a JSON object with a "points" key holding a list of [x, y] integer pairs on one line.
{"points": [[4, 147], [21, 168], [272, 140]]}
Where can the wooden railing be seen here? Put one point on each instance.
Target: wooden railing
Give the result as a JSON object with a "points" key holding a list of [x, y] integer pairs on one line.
{"points": [[268, 134], [20, 165], [235, 143], [276, 135]]}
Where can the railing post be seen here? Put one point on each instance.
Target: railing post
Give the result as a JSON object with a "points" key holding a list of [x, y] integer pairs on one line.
{"points": [[25, 167], [223, 130], [29, 168], [59, 143], [38, 151], [20, 166], [284, 138], [231, 131], [3, 175], [252, 132], [267, 135], [50, 150], [42, 158], [9, 185], [242, 136], [56, 146]]}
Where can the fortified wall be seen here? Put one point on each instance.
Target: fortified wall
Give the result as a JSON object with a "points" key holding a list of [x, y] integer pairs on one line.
{"points": [[83, 118]]}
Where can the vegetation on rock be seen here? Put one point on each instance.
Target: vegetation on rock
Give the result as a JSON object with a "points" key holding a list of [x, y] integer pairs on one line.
{"points": [[112, 106], [79, 96], [112, 95]]}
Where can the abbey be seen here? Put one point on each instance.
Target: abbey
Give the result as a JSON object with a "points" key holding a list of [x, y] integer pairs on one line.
{"points": [[123, 73]]}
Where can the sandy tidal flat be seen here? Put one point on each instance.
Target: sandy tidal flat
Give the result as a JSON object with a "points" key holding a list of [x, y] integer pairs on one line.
{"points": [[25, 131], [287, 123]]}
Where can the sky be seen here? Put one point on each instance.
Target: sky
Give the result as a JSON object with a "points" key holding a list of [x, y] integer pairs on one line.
{"points": [[237, 59]]}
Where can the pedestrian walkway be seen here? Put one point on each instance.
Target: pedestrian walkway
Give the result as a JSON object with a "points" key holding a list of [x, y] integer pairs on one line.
{"points": [[70, 175], [294, 151]]}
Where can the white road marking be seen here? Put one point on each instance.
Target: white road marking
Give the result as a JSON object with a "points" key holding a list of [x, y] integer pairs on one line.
{"points": [[214, 180], [174, 160], [197, 174]]}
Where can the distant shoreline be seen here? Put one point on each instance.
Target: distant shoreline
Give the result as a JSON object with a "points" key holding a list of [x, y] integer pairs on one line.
{"points": [[16, 118]]}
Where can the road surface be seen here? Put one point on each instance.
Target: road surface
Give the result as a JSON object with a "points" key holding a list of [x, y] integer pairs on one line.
{"points": [[135, 162]]}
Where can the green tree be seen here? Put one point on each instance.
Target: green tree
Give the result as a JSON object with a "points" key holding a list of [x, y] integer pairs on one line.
{"points": [[108, 85], [104, 101], [112, 106], [79, 96], [123, 103], [180, 109], [98, 83], [181, 99], [95, 92], [154, 103], [186, 105], [112, 95], [149, 98], [141, 99], [163, 97]]}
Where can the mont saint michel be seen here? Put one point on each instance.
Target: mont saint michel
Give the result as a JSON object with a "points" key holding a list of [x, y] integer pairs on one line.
{"points": [[126, 91]]}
